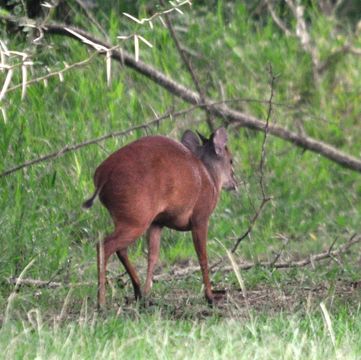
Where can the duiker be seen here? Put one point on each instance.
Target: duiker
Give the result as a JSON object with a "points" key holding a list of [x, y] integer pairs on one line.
{"points": [[156, 182]]}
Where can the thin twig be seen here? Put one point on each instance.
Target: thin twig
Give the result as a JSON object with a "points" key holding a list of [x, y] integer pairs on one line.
{"points": [[175, 7], [336, 55], [265, 198], [189, 67], [73, 147], [278, 255], [251, 224], [54, 73], [266, 131], [88, 13]]}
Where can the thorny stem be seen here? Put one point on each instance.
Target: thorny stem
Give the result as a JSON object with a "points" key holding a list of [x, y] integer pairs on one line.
{"points": [[265, 198]]}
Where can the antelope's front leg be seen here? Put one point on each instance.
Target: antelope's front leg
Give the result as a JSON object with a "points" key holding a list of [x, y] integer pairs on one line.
{"points": [[199, 234]]}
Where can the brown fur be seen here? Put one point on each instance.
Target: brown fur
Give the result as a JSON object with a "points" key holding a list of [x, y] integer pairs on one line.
{"points": [[151, 183]]}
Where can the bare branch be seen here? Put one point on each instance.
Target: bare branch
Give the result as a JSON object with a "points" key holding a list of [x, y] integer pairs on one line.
{"points": [[189, 67], [74, 147], [311, 259], [46, 284], [303, 35], [251, 224], [265, 198]]}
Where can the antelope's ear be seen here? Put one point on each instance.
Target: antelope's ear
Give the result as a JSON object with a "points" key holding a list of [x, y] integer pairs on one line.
{"points": [[219, 140], [191, 141]]}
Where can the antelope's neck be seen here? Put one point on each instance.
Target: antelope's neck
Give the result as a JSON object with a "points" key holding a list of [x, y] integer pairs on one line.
{"points": [[214, 178]]}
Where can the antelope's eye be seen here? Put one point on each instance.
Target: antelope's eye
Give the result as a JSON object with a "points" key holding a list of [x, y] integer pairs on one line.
{"points": [[231, 161]]}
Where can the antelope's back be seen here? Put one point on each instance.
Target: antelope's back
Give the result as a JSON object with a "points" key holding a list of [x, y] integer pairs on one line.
{"points": [[149, 176]]}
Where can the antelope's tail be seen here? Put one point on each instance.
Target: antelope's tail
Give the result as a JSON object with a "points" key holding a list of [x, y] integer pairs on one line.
{"points": [[87, 204]]}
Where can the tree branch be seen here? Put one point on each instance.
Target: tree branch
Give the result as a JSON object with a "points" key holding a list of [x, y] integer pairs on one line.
{"points": [[232, 116]]}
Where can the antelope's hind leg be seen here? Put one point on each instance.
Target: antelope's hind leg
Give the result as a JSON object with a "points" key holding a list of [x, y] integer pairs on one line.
{"points": [[117, 242], [153, 240], [123, 257]]}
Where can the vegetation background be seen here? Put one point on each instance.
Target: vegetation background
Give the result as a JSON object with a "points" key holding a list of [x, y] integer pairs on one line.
{"points": [[310, 312]]}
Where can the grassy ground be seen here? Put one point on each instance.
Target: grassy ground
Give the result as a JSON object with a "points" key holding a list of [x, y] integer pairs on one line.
{"points": [[155, 336], [315, 202]]}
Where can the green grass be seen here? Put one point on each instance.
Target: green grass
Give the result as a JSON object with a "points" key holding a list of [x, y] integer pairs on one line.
{"points": [[154, 336], [314, 201]]}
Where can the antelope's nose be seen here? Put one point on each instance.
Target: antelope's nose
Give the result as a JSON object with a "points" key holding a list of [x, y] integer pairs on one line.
{"points": [[232, 186]]}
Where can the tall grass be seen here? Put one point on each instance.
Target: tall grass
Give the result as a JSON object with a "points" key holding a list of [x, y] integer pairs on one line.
{"points": [[40, 205]]}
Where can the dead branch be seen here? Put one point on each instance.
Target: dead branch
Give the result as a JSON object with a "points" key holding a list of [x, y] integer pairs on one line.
{"points": [[230, 115], [46, 284], [176, 274], [189, 67]]}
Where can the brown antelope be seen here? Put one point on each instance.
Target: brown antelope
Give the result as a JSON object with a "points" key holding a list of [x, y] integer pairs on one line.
{"points": [[155, 182]]}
